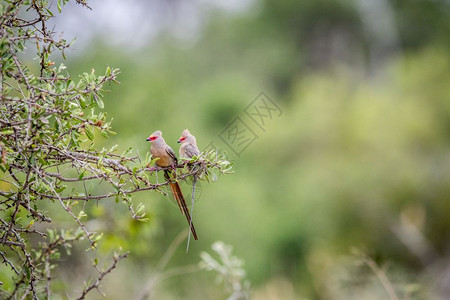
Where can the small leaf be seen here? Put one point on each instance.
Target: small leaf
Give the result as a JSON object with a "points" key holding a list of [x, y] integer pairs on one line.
{"points": [[60, 189], [31, 224], [51, 235], [89, 133], [81, 214], [113, 148], [126, 152], [82, 102], [140, 208], [100, 103], [98, 237], [43, 120], [7, 131], [27, 272]]}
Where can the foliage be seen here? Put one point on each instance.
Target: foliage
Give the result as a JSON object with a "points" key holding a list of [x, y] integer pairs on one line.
{"points": [[49, 122]]}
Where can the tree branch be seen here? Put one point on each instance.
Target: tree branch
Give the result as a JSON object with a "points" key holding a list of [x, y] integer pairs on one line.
{"points": [[102, 275]]}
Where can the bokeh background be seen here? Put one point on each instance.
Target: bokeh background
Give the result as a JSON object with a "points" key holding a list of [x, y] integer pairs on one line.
{"points": [[359, 158]]}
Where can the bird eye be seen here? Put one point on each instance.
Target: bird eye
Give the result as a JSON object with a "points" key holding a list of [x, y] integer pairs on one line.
{"points": [[182, 139], [153, 138]]}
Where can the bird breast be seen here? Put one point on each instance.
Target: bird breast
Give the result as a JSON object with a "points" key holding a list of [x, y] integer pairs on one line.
{"points": [[164, 159]]}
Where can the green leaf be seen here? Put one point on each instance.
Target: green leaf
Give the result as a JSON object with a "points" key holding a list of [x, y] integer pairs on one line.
{"points": [[60, 189], [98, 237], [31, 223], [48, 11], [27, 272], [51, 235], [140, 208], [100, 103], [89, 133], [82, 102], [6, 131], [81, 214], [126, 152]]}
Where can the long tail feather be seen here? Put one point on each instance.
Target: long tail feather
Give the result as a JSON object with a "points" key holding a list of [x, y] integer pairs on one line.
{"points": [[178, 195], [185, 209], [192, 212], [174, 193], [173, 189]]}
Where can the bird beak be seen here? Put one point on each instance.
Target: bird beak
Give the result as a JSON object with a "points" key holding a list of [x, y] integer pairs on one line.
{"points": [[179, 141], [148, 139]]}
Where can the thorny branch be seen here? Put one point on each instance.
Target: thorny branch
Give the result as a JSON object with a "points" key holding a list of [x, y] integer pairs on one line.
{"points": [[48, 124], [96, 283]]}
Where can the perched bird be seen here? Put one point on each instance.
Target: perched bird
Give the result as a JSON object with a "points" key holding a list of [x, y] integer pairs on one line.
{"points": [[167, 158], [188, 147]]}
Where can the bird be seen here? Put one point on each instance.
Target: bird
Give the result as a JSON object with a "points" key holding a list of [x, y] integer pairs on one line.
{"points": [[188, 148], [167, 158]]}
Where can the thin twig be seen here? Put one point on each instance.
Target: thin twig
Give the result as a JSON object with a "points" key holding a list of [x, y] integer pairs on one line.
{"points": [[382, 277], [102, 275]]}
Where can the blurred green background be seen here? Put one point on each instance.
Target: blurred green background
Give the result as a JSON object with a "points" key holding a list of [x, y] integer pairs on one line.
{"points": [[359, 157]]}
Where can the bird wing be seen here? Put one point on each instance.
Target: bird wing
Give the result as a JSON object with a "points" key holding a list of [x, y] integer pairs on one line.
{"points": [[191, 150], [171, 153]]}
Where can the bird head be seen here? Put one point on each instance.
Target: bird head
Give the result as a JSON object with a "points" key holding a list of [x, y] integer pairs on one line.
{"points": [[154, 136], [185, 135]]}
